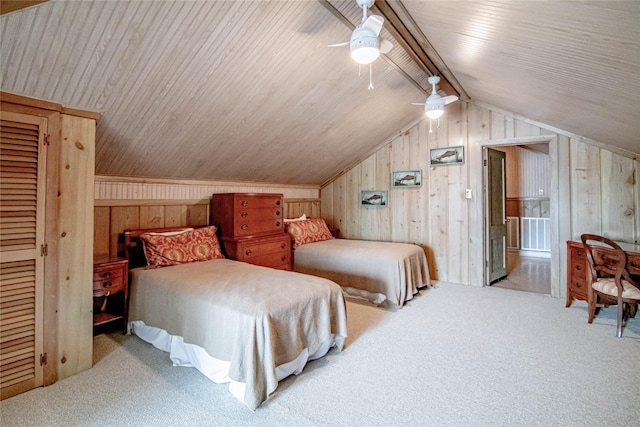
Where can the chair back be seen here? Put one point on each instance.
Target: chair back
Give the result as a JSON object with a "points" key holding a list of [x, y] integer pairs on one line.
{"points": [[609, 263]]}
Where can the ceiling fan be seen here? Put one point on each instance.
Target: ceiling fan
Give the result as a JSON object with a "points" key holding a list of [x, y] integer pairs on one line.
{"points": [[434, 106], [366, 43]]}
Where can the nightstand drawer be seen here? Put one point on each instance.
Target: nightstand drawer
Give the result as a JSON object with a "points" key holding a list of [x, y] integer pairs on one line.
{"points": [[106, 286], [108, 273], [110, 292]]}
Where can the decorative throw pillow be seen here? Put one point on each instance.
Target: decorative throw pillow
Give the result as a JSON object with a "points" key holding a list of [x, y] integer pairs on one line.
{"points": [[196, 245], [308, 231]]}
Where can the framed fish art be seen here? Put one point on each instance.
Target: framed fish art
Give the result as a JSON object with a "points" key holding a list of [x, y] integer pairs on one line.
{"points": [[447, 156], [373, 198], [406, 179]]}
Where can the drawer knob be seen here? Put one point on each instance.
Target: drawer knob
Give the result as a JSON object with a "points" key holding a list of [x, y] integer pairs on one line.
{"points": [[284, 258], [248, 252], [244, 226], [106, 274], [277, 213], [578, 267], [283, 245], [107, 284], [278, 203], [245, 203], [278, 224], [244, 214]]}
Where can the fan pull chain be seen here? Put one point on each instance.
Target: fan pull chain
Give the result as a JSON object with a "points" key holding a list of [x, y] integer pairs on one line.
{"points": [[370, 76], [430, 130]]}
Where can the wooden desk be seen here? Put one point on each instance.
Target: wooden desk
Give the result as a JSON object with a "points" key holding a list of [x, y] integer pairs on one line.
{"points": [[577, 267]]}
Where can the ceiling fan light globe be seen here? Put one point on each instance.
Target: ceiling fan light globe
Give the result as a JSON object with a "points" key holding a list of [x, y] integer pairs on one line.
{"points": [[364, 45], [365, 55], [433, 111]]}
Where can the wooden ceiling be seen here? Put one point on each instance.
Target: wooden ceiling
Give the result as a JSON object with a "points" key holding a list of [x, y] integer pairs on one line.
{"points": [[249, 91]]}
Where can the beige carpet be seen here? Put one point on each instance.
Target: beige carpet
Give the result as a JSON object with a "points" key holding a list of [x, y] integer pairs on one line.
{"points": [[455, 356]]}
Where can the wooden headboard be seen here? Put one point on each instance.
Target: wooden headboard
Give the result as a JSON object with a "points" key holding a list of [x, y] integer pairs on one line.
{"points": [[133, 250]]}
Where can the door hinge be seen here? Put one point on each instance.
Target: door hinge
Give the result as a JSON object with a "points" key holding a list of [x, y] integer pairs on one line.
{"points": [[44, 250], [43, 359], [47, 139], [484, 162]]}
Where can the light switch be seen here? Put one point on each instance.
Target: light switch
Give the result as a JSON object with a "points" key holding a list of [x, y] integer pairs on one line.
{"points": [[467, 193]]}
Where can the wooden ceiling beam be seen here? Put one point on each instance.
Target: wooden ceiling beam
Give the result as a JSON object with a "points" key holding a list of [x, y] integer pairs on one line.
{"points": [[7, 6], [409, 36]]}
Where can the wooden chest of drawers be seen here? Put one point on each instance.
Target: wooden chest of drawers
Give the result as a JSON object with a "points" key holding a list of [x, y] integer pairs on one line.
{"points": [[110, 291], [269, 251], [251, 227], [239, 215]]}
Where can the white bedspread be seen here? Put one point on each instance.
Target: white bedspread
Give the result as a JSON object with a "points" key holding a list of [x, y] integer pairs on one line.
{"points": [[255, 318], [377, 271]]}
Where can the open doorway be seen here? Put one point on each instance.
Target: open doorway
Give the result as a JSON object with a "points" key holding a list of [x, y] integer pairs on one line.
{"points": [[517, 215]]}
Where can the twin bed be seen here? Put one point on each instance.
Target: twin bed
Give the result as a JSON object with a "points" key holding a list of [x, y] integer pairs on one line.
{"points": [[239, 323], [383, 273], [252, 326]]}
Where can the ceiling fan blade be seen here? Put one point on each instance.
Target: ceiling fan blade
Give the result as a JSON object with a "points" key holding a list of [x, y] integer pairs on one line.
{"points": [[385, 46], [338, 44], [374, 23], [417, 103], [449, 99]]}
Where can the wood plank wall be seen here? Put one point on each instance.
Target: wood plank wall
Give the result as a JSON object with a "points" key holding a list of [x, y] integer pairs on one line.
{"points": [[527, 173], [75, 227], [137, 206], [591, 189]]}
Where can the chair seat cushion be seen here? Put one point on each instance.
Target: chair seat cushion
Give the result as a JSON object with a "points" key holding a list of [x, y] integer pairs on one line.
{"points": [[608, 286]]}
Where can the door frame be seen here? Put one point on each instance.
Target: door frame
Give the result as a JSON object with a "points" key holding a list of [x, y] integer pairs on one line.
{"points": [[554, 203]]}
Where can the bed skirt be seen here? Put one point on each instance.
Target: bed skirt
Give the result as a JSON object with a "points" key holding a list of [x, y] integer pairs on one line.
{"points": [[193, 356]]}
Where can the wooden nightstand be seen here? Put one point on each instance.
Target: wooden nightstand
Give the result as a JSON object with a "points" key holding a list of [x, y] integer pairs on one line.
{"points": [[110, 291]]}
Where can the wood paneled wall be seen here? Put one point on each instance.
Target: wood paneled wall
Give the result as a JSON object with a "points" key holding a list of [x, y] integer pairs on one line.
{"points": [[591, 189], [111, 218], [75, 226], [527, 172]]}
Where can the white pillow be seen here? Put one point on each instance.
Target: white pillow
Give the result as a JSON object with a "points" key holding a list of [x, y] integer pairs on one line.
{"points": [[169, 233], [301, 218]]}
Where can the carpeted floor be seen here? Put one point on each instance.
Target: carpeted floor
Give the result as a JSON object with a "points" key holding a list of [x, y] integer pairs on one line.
{"points": [[454, 356]]}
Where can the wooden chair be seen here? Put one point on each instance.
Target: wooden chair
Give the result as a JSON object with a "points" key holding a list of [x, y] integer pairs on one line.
{"points": [[609, 280]]}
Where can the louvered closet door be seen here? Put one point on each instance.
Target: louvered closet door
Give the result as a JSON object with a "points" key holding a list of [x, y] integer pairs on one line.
{"points": [[22, 191]]}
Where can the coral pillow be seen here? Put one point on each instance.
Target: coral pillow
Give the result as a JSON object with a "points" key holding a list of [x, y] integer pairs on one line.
{"points": [[308, 231], [196, 245]]}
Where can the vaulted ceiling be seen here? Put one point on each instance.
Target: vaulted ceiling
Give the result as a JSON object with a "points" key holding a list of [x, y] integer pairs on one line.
{"points": [[249, 90]]}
